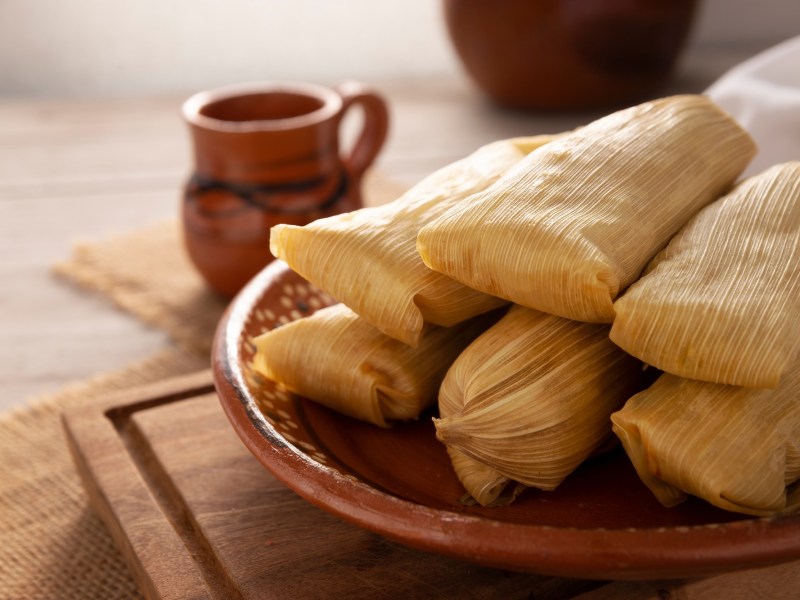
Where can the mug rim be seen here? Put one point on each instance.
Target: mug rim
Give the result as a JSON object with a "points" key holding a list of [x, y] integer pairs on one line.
{"points": [[192, 107]]}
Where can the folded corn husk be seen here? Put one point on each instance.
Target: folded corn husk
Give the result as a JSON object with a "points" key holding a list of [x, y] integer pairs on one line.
{"points": [[367, 259], [339, 360], [722, 302], [530, 399], [485, 484], [737, 448], [576, 221]]}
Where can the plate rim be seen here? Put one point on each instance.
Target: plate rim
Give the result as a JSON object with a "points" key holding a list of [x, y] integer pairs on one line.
{"points": [[598, 553]]}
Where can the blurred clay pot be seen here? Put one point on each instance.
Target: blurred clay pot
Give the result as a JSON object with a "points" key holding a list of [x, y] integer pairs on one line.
{"points": [[568, 54]]}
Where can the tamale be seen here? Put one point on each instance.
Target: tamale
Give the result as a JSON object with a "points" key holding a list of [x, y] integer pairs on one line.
{"points": [[367, 259], [531, 398], [338, 359], [738, 448], [722, 302], [575, 222]]}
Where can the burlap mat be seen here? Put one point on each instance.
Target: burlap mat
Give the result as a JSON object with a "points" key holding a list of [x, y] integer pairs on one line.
{"points": [[147, 273], [52, 545]]}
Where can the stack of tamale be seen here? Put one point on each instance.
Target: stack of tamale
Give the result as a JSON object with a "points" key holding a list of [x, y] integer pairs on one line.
{"points": [[562, 227], [720, 306], [384, 357]]}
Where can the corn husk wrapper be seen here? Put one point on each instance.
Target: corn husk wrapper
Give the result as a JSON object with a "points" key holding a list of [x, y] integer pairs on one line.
{"points": [[486, 486], [367, 259], [722, 302], [338, 359], [575, 222], [531, 398], [738, 448]]}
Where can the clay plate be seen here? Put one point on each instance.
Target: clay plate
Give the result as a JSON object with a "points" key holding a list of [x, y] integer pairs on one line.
{"points": [[600, 523]]}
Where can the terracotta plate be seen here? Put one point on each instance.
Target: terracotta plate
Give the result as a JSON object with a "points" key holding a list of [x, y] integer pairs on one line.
{"points": [[600, 523]]}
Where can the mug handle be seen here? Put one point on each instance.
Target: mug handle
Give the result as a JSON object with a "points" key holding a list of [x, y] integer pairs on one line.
{"points": [[376, 124]]}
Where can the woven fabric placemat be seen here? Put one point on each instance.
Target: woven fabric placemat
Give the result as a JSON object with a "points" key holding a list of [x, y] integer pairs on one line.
{"points": [[148, 273], [52, 545]]}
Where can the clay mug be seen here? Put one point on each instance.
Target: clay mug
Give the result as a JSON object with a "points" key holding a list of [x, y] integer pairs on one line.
{"points": [[268, 153]]}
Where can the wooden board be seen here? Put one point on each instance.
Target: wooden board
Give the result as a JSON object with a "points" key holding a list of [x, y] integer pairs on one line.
{"points": [[197, 517]]}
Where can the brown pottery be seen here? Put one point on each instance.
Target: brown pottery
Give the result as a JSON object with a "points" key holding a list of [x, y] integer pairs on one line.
{"points": [[568, 54], [268, 153]]}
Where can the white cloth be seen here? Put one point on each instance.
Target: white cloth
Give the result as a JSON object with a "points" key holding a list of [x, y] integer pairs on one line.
{"points": [[763, 94]]}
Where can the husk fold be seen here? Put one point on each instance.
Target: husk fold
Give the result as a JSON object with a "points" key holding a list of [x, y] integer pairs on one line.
{"points": [[735, 447], [530, 399], [575, 222], [722, 302], [484, 484], [338, 359], [367, 259]]}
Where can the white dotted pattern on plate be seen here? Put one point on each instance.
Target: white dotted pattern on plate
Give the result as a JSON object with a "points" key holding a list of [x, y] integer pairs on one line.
{"points": [[292, 301]]}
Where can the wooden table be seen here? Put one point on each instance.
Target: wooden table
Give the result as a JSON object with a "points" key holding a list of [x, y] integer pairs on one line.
{"points": [[84, 169]]}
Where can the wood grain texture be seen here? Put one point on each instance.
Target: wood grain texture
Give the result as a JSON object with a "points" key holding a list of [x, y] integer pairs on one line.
{"points": [[196, 516], [99, 443], [780, 582]]}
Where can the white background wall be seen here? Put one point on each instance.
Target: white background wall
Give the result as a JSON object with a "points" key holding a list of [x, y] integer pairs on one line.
{"points": [[117, 47]]}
